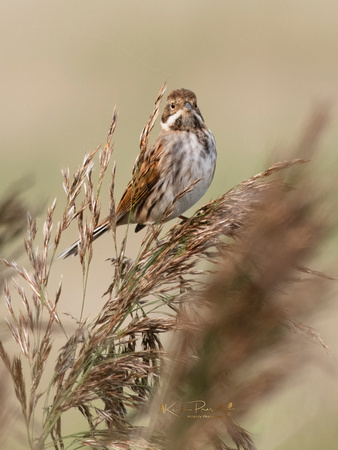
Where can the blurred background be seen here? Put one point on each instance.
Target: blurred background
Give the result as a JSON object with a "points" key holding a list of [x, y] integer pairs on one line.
{"points": [[258, 68]]}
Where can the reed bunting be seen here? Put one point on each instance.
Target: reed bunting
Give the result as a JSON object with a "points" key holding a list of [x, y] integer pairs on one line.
{"points": [[184, 152]]}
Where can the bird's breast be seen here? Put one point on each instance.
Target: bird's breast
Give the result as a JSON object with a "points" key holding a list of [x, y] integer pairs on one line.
{"points": [[192, 158]]}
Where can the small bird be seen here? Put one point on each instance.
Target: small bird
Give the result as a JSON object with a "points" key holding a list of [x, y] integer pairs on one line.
{"points": [[183, 153]]}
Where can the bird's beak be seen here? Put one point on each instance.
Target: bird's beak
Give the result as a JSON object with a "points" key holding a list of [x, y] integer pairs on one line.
{"points": [[188, 106]]}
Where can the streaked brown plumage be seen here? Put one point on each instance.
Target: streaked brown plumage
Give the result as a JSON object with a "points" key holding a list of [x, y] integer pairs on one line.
{"points": [[184, 152]]}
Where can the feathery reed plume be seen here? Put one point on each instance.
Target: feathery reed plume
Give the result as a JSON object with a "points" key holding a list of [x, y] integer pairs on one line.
{"points": [[231, 330], [235, 346], [13, 219]]}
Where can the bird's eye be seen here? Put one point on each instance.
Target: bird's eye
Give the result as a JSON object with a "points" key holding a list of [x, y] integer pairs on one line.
{"points": [[195, 105], [172, 105]]}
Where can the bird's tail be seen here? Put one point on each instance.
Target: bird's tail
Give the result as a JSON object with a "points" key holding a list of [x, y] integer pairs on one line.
{"points": [[74, 249]]}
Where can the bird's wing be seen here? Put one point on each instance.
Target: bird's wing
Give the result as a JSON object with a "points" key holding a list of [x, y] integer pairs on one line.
{"points": [[142, 183]]}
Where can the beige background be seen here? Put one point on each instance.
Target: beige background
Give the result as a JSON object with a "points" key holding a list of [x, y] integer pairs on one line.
{"points": [[258, 68]]}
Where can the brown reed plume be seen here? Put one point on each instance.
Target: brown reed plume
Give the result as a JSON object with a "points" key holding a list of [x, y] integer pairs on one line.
{"points": [[13, 220], [232, 320]]}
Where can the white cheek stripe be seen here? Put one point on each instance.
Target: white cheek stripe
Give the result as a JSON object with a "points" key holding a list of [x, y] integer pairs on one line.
{"points": [[199, 117], [171, 120]]}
